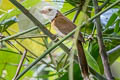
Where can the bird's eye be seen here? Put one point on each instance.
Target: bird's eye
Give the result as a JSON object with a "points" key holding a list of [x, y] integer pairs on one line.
{"points": [[49, 9]]}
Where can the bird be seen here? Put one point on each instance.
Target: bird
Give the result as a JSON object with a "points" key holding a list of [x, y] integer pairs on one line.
{"points": [[63, 26]]}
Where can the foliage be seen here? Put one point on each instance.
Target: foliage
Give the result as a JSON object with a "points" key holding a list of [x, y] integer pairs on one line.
{"points": [[58, 62]]}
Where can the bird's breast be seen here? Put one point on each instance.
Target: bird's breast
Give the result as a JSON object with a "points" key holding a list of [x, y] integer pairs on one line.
{"points": [[57, 29]]}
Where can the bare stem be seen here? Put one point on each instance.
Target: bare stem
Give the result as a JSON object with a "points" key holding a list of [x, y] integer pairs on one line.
{"points": [[102, 50], [76, 15], [20, 65]]}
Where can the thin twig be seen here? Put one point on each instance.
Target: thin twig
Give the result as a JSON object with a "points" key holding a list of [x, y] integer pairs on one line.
{"points": [[34, 54], [114, 38], [42, 61], [16, 53], [18, 34], [38, 42], [103, 5], [20, 52], [102, 50], [28, 37], [25, 65], [62, 58], [65, 62], [53, 61], [20, 65], [22, 45], [76, 15], [110, 2], [26, 49], [49, 65], [113, 50]]}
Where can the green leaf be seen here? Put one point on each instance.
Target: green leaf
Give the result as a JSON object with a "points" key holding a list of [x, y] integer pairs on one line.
{"points": [[6, 59], [77, 74], [5, 24], [67, 7], [114, 56], [111, 20], [92, 62], [93, 49], [27, 3], [118, 13], [117, 26]]}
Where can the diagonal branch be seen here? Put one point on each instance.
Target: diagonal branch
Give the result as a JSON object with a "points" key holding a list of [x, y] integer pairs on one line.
{"points": [[76, 15], [20, 64]]}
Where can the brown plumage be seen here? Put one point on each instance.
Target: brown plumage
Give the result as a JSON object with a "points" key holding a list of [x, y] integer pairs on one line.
{"points": [[64, 25]]}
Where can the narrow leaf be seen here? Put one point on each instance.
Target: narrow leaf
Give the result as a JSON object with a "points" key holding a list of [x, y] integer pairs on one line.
{"points": [[111, 20], [117, 26]]}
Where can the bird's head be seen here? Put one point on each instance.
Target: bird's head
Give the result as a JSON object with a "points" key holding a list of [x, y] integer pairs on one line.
{"points": [[49, 12]]}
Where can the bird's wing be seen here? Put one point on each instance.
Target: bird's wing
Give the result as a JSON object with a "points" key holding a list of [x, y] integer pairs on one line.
{"points": [[64, 25]]}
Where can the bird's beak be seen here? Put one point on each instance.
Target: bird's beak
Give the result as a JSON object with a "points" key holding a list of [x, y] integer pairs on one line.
{"points": [[43, 11]]}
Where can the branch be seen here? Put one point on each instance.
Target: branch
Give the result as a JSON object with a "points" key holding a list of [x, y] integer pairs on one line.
{"points": [[110, 2], [22, 45], [113, 50], [103, 5], [78, 11], [20, 64], [33, 54], [16, 53], [32, 36], [20, 52], [76, 15], [102, 50], [18, 34]]}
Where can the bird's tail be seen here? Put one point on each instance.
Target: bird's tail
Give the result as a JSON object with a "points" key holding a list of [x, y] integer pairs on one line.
{"points": [[82, 61]]}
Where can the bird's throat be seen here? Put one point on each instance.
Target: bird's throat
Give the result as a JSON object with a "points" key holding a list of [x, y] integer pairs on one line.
{"points": [[58, 14]]}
